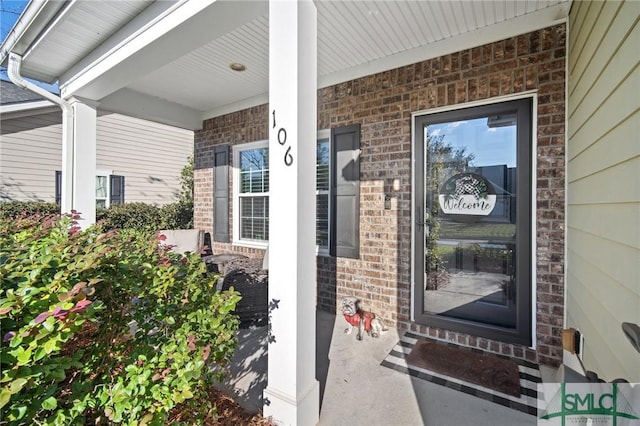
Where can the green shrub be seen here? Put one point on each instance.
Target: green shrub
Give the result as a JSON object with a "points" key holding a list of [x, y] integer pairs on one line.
{"points": [[147, 217], [104, 327], [186, 181], [178, 215], [138, 216], [14, 209]]}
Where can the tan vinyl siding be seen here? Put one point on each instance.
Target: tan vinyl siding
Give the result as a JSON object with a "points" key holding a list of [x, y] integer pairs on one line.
{"points": [[149, 155], [29, 156], [603, 178]]}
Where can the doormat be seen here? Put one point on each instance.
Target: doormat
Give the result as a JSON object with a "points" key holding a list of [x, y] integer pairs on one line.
{"points": [[485, 370], [405, 359]]}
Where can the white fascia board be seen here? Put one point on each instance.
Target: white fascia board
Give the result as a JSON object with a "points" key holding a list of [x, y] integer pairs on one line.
{"points": [[25, 106], [140, 105], [520, 25], [150, 42], [26, 109]]}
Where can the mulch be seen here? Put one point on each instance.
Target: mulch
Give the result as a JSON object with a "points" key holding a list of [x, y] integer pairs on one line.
{"points": [[485, 370], [229, 413]]}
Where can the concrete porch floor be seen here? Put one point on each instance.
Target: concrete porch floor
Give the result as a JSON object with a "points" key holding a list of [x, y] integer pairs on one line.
{"points": [[356, 390]]}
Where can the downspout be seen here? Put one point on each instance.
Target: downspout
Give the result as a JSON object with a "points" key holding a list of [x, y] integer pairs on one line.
{"points": [[13, 70]]}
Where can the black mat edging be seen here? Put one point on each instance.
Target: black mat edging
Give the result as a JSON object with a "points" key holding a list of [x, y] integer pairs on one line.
{"points": [[528, 381]]}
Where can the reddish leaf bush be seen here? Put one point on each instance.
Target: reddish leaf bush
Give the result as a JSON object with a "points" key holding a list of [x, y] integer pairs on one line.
{"points": [[105, 327]]}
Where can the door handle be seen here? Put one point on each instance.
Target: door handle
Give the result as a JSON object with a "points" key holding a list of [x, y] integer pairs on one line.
{"points": [[421, 222]]}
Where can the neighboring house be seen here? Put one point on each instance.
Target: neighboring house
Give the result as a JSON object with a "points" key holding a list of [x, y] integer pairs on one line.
{"points": [[31, 153], [476, 163]]}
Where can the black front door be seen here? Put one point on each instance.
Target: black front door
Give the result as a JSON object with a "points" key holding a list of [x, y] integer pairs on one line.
{"points": [[473, 221]]}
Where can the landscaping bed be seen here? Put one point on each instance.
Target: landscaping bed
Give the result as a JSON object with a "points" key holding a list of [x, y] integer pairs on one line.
{"points": [[229, 413]]}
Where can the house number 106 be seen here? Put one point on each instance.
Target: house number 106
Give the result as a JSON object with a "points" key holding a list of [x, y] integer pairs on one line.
{"points": [[282, 140]]}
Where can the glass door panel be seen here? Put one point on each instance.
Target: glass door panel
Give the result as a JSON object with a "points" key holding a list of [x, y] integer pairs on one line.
{"points": [[469, 224], [470, 240]]}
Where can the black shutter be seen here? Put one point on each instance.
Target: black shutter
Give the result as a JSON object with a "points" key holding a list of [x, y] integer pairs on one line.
{"points": [[221, 193], [117, 189], [58, 186], [345, 191]]}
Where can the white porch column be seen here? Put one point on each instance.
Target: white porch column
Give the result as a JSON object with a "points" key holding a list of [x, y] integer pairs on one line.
{"points": [[79, 143], [292, 393], [66, 189]]}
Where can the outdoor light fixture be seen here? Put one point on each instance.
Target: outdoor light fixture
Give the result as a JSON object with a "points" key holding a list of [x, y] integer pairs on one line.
{"points": [[235, 66]]}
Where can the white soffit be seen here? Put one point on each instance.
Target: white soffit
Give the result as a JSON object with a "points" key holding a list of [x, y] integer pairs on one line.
{"points": [[355, 39], [75, 32], [358, 38], [203, 75], [388, 35], [378, 29]]}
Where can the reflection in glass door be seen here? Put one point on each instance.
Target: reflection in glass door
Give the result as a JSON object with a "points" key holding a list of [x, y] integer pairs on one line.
{"points": [[473, 220]]}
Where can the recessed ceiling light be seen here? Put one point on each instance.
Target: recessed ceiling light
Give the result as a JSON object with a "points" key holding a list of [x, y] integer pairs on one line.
{"points": [[237, 66]]}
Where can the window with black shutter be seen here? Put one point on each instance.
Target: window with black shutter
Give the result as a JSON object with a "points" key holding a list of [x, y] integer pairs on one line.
{"points": [[337, 192], [109, 189]]}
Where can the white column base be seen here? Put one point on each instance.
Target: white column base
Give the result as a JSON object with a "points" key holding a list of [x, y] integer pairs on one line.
{"points": [[289, 412]]}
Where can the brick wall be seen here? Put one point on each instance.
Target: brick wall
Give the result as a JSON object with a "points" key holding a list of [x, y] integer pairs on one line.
{"points": [[383, 104]]}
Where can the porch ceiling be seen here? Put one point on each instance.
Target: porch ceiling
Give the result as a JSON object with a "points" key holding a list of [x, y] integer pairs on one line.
{"points": [[169, 61]]}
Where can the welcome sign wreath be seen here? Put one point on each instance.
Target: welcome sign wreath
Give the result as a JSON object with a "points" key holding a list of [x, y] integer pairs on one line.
{"points": [[467, 195]]}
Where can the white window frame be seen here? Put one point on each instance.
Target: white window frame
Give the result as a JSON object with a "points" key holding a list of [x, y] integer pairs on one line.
{"points": [[324, 250], [237, 241], [107, 199], [236, 194]]}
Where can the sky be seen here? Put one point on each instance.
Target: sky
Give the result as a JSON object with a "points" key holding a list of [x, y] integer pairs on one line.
{"points": [[489, 145], [10, 10]]}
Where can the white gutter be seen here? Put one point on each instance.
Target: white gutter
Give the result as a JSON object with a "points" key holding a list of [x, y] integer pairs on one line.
{"points": [[13, 70]]}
